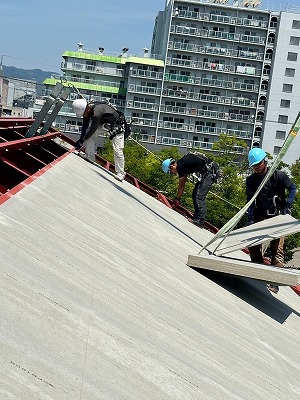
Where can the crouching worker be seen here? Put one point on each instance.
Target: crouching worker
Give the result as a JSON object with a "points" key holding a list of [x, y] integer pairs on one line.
{"points": [[276, 197], [205, 171], [102, 114]]}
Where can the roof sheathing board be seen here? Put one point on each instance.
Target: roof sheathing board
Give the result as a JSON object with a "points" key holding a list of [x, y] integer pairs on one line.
{"points": [[95, 290]]}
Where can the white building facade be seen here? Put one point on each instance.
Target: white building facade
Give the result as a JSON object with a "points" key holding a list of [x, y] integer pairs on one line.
{"points": [[283, 103]]}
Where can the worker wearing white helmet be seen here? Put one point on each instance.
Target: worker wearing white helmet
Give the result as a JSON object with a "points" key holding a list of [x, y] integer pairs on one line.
{"points": [[97, 114], [79, 105]]}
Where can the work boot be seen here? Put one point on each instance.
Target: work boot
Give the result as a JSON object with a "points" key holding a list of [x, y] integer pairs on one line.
{"points": [[197, 221], [273, 288], [277, 263], [119, 177]]}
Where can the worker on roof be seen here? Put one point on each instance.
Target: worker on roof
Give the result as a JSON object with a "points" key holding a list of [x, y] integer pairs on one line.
{"points": [[205, 172], [276, 197], [106, 115]]}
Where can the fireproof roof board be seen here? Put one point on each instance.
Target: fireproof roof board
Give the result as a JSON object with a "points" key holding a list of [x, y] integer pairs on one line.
{"points": [[258, 233], [265, 273]]}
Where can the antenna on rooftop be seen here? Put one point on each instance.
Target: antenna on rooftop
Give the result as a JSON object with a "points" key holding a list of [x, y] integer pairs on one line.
{"points": [[80, 46], [124, 52]]}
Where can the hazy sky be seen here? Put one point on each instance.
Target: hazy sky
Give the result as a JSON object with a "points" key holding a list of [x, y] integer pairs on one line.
{"points": [[35, 33]]}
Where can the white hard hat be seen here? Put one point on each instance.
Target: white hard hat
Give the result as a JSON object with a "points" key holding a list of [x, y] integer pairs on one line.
{"points": [[79, 106]]}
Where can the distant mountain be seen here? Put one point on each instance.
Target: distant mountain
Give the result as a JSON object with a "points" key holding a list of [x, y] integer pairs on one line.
{"points": [[28, 74]]}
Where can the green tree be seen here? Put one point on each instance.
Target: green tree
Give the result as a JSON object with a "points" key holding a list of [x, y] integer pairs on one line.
{"points": [[229, 150]]}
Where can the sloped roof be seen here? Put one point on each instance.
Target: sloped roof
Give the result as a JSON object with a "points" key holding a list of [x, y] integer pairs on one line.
{"points": [[97, 301]]}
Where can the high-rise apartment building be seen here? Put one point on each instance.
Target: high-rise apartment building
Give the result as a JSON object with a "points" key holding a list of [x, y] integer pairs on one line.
{"points": [[213, 68]]}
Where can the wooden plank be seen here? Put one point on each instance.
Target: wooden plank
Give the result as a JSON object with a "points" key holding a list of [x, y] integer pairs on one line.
{"points": [[265, 273], [261, 232]]}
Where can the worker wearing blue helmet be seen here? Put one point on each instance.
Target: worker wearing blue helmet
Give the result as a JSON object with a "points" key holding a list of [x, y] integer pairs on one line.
{"points": [[205, 172], [276, 197]]}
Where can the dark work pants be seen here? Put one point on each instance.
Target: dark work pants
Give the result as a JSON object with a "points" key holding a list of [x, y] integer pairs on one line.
{"points": [[277, 256], [277, 252], [199, 197]]}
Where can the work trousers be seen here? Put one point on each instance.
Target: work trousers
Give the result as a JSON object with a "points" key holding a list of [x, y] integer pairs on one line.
{"points": [[90, 146], [199, 194], [118, 146], [277, 255]]}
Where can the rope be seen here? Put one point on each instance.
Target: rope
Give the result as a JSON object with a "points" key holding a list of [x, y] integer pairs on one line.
{"points": [[221, 198], [145, 148]]}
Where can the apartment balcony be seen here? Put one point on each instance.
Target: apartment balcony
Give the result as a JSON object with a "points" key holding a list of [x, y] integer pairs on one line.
{"points": [[210, 114], [249, 87], [221, 115], [175, 110], [208, 66], [219, 83], [211, 34], [100, 99], [75, 66], [144, 121], [220, 51], [68, 128], [146, 138], [142, 105], [220, 19], [144, 89], [181, 142], [213, 130], [228, 100], [99, 82], [176, 126], [169, 141], [141, 73]]}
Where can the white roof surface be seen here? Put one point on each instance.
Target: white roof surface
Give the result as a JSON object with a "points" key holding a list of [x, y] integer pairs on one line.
{"points": [[97, 302]]}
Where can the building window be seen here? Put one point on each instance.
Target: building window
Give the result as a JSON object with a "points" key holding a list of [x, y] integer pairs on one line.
{"points": [[280, 135], [290, 72], [276, 149], [296, 24], [294, 40], [292, 56], [285, 103], [287, 88], [283, 119]]}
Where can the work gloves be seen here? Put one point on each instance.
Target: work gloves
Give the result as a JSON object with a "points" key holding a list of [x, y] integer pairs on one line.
{"points": [[286, 209], [250, 217], [78, 144], [249, 222]]}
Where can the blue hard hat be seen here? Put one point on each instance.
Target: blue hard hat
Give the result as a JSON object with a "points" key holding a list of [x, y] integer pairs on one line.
{"points": [[166, 165], [256, 155]]}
